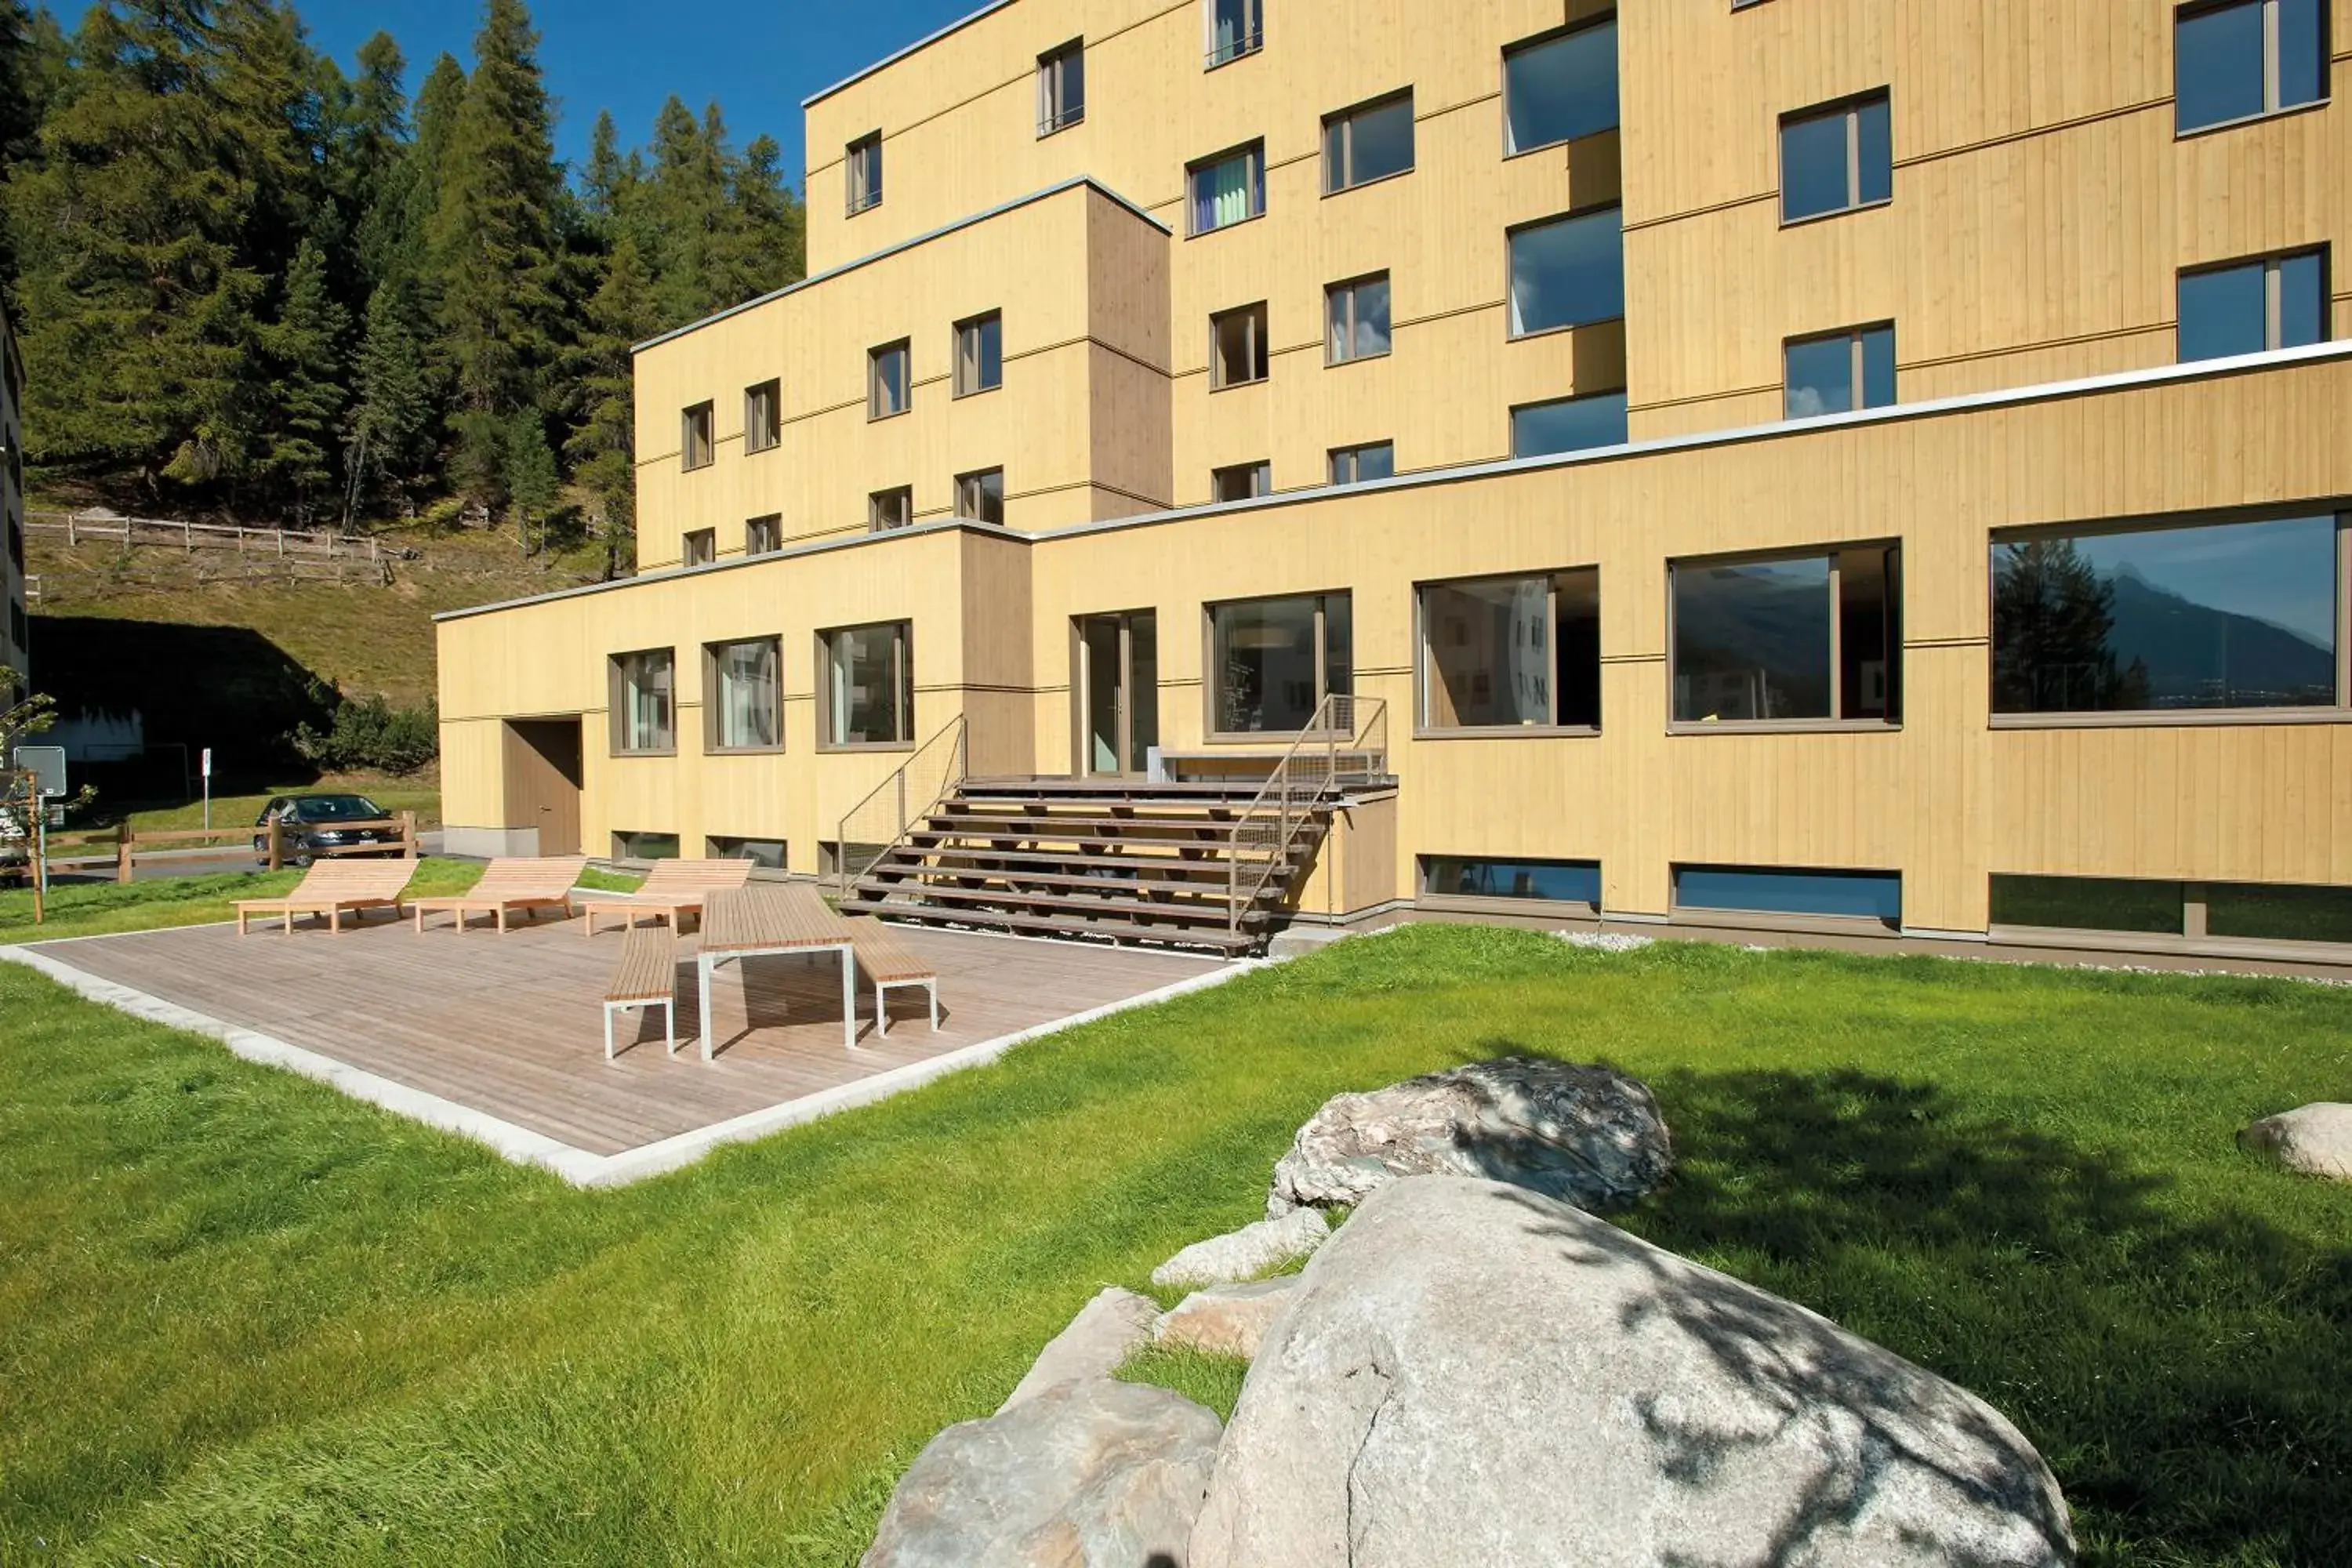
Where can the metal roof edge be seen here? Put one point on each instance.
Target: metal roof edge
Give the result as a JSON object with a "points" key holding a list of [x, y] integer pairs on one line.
{"points": [[924, 42]]}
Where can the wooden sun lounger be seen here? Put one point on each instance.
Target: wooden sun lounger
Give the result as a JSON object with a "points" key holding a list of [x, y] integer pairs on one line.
{"points": [[673, 888], [512, 885], [647, 976], [333, 888], [890, 963]]}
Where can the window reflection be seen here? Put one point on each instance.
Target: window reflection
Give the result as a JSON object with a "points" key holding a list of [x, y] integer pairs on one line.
{"points": [[1276, 659], [1568, 272]]}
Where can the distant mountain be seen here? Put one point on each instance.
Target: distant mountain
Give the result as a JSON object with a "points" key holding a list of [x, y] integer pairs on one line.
{"points": [[2190, 649]]}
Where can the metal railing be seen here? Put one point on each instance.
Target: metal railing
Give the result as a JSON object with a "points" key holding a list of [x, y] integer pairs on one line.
{"points": [[1236, 47], [877, 825], [1344, 728]]}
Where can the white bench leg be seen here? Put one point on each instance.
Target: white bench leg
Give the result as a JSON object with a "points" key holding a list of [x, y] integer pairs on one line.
{"points": [[609, 1010], [933, 987], [669, 1024], [881, 1010]]}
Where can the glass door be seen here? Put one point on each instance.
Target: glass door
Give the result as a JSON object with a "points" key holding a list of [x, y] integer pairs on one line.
{"points": [[1117, 692]]}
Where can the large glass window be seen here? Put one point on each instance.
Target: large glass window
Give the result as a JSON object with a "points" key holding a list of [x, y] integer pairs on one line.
{"points": [[1561, 87], [1837, 158], [1511, 652], [1237, 346], [1356, 317], [1839, 372], [2223, 616], [763, 415], [644, 688], [1568, 271], [1229, 188], [863, 165], [1786, 890], [2275, 302], [888, 380], [2243, 58], [1552, 882], [2198, 911], [1275, 660], [745, 705], [1356, 464], [1787, 639], [980, 354], [869, 684], [1061, 87], [1567, 424], [1236, 27], [1368, 142]]}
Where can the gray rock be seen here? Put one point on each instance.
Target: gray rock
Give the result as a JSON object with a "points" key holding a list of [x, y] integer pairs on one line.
{"points": [[1094, 1474], [1225, 1319], [2313, 1139], [1241, 1253], [1585, 1135], [1105, 1333], [1472, 1372]]}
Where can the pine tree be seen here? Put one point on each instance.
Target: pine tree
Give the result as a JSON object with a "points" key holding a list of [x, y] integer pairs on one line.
{"points": [[603, 450], [533, 486], [609, 183], [305, 348], [378, 170]]}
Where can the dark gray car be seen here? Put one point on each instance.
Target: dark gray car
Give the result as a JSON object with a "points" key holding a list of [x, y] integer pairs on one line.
{"points": [[315, 822]]}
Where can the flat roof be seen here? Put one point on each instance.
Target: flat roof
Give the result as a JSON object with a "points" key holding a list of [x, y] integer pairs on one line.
{"points": [[926, 41]]}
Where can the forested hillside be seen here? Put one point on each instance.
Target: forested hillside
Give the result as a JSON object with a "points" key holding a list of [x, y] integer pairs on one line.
{"points": [[244, 281]]}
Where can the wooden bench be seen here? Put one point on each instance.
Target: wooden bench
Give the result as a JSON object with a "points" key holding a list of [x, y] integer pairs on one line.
{"points": [[673, 888], [890, 963], [515, 885], [332, 888], [647, 976]]}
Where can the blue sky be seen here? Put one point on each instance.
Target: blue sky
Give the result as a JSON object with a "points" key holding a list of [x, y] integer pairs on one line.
{"points": [[758, 60]]}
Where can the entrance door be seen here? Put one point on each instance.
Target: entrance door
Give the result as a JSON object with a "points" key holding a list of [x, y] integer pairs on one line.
{"points": [[543, 778], [1117, 692]]}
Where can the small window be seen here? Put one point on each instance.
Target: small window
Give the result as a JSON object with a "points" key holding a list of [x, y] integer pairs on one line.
{"points": [[894, 508], [1236, 27], [699, 547], [1062, 87], [1511, 653], [1357, 320], [768, 853], [869, 684], [1836, 159], [1276, 659], [2276, 302], [1561, 88], [1784, 890], [2246, 57], [1568, 272], [1542, 881], [980, 497], [864, 163], [1567, 424], [1237, 352], [2200, 912], [744, 706], [2088, 903], [2270, 912], [644, 686], [645, 846], [764, 535], [763, 415], [1355, 465], [1837, 372], [1787, 639], [1241, 481], [980, 354], [1227, 189], [695, 445], [1368, 142], [887, 387]]}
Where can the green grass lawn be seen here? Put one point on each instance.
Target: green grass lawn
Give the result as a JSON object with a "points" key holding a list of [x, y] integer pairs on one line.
{"points": [[243, 1320]]}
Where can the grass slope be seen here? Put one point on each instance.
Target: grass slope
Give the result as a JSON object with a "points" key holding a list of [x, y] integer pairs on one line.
{"points": [[243, 1320]]}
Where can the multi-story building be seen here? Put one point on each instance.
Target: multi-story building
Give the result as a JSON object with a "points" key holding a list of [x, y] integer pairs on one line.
{"points": [[1840, 463], [15, 631]]}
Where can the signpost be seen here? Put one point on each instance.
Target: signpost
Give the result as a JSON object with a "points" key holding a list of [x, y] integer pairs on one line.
{"points": [[208, 789], [45, 778]]}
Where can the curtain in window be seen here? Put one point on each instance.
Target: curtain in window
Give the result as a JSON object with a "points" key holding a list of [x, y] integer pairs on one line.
{"points": [[648, 692], [747, 686], [1223, 193]]}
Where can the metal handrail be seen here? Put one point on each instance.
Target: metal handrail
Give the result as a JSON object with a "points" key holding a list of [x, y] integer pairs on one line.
{"points": [[959, 764], [1335, 718]]}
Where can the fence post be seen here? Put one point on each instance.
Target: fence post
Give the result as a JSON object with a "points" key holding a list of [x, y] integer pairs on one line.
{"points": [[408, 835], [72, 537], [276, 856], [123, 853]]}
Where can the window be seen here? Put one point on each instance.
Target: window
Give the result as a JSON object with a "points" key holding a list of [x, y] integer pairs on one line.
{"points": [[1838, 371], [1561, 88], [1276, 659], [980, 354], [1236, 27], [699, 548], [1780, 890], [864, 163], [981, 497], [2245, 58], [887, 387], [1354, 465], [763, 415], [1787, 639], [869, 684], [764, 535], [1237, 353], [1357, 318], [1228, 189], [2198, 912], [1062, 87], [2088, 903], [2276, 302], [694, 436], [743, 709], [886, 510], [2181, 618], [1511, 653], [1549, 881], [642, 686], [1567, 424], [1368, 142], [1568, 272], [645, 846], [1241, 481], [763, 852], [1836, 159], [2270, 912]]}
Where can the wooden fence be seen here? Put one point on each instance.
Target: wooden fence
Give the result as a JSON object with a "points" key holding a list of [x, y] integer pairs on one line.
{"points": [[285, 543], [126, 841]]}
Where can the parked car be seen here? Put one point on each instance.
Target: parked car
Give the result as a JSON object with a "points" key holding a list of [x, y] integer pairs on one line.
{"points": [[315, 822]]}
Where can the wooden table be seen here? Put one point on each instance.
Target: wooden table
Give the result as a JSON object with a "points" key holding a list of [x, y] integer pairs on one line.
{"points": [[767, 918]]}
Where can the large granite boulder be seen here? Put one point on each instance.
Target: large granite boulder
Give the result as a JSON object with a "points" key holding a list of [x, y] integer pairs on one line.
{"points": [[1106, 1331], [1090, 1474], [1225, 1319], [2313, 1139], [1586, 1135], [1472, 1372], [1245, 1253]]}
